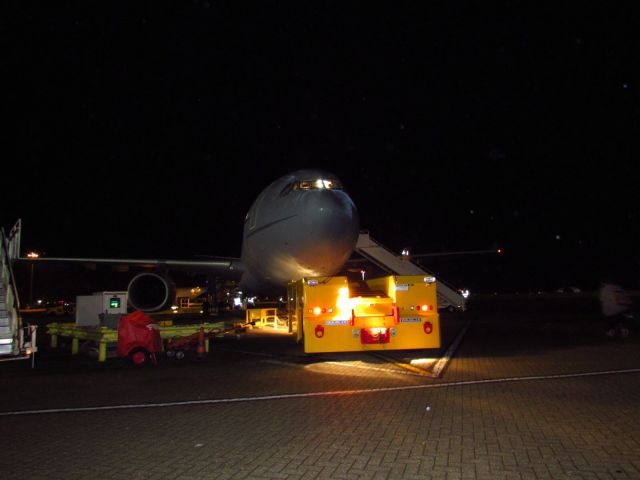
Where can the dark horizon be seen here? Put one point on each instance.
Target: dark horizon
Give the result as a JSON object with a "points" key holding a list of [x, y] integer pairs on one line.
{"points": [[149, 132]]}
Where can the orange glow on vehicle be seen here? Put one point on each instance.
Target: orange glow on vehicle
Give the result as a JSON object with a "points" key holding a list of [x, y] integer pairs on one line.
{"points": [[343, 303]]}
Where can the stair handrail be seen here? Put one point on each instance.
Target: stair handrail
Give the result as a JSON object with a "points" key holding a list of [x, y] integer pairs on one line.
{"points": [[7, 261], [440, 280], [378, 244], [419, 265]]}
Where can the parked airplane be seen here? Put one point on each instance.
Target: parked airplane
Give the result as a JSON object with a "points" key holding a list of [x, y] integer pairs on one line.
{"points": [[302, 224]]}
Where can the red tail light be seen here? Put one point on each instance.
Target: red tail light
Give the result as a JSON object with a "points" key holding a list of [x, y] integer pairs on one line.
{"points": [[374, 335]]}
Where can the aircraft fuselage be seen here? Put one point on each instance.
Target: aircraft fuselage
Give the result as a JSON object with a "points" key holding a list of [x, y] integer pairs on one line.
{"points": [[303, 224]]}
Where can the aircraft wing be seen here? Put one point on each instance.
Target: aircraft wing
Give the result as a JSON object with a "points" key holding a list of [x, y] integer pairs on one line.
{"points": [[153, 288], [228, 267], [150, 290]]}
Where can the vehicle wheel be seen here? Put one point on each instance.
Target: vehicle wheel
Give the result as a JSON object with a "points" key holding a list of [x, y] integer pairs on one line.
{"points": [[179, 354], [139, 357], [170, 353]]}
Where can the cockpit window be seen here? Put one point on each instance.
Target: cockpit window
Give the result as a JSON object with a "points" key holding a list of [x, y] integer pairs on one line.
{"points": [[319, 184]]}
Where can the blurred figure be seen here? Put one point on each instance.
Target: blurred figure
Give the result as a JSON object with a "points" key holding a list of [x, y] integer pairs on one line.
{"points": [[616, 306], [206, 307]]}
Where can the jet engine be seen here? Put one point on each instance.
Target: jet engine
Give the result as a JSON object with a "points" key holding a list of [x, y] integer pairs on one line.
{"points": [[151, 292]]}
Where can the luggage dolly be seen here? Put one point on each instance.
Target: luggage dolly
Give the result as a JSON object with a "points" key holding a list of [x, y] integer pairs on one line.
{"points": [[177, 346]]}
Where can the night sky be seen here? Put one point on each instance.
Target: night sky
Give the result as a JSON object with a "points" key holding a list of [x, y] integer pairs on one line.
{"points": [[146, 130]]}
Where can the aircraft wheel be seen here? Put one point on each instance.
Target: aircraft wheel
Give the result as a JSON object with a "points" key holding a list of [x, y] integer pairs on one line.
{"points": [[139, 357], [170, 353], [179, 354]]}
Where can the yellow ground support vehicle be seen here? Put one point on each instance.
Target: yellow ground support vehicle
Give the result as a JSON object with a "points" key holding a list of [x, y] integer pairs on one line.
{"points": [[395, 312]]}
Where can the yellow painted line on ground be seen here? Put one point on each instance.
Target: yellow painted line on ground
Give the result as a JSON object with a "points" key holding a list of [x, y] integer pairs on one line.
{"points": [[441, 364], [404, 365]]}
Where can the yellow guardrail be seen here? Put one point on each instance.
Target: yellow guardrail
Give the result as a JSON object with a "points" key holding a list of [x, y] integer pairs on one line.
{"points": [[263, 317], [104, 335]]}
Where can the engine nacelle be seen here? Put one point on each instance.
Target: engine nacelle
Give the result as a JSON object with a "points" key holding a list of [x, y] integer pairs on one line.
{"points": [[151, 292]]}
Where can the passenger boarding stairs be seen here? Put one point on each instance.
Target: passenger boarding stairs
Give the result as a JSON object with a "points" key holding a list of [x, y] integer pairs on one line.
{"points": [[15, 343], [448, 297], [7, 322]]}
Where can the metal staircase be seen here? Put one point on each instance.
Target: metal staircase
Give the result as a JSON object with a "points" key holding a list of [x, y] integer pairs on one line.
{"points": [[7, 324], [448, 297], [16, 341]]}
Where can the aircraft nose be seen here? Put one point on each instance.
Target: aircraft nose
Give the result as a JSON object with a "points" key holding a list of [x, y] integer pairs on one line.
{"points": [[332, 215]]}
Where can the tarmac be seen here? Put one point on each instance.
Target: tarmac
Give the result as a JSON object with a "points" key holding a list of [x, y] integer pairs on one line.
{"points": [[519, 394]]}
